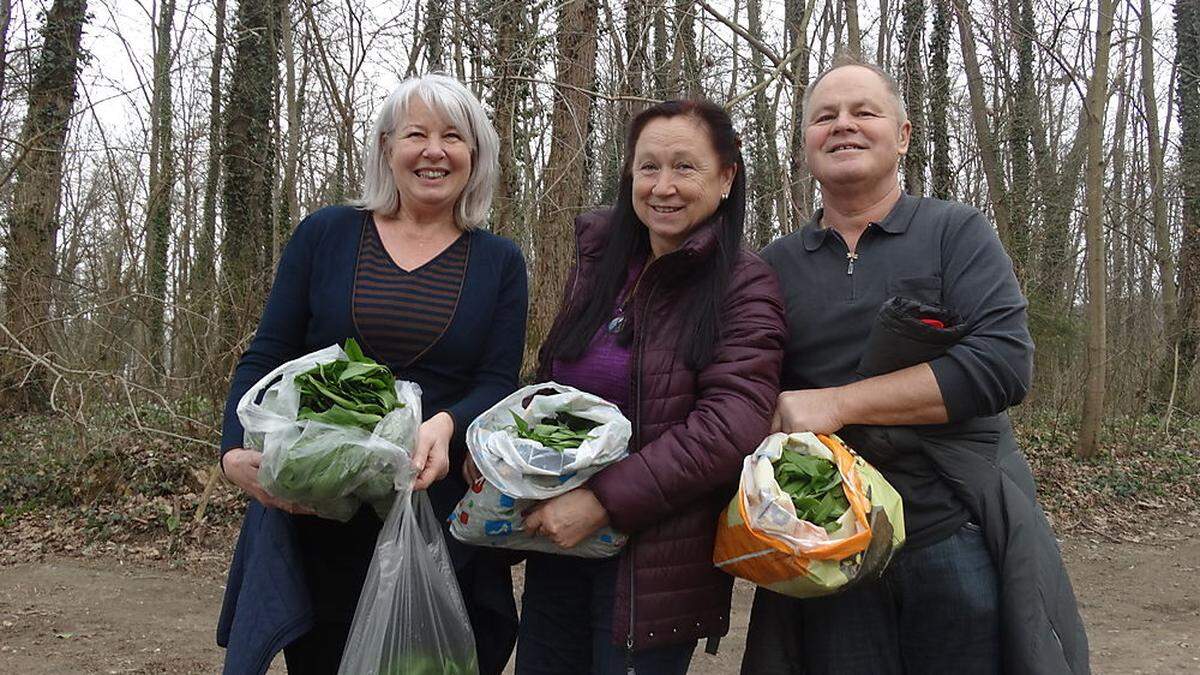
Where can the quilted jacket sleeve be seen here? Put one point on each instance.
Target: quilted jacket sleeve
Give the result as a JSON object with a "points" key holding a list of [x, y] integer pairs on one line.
{"points": [[735, 398]]}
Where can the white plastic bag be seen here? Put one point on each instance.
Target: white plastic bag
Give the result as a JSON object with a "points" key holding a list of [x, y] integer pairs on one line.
{"points": [[526, 469], [410, 618], [485, 516], [519, 472], [357, 466]]}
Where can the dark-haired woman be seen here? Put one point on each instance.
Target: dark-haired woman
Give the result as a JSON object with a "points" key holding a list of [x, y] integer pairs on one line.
{"points": [[667, 316]]}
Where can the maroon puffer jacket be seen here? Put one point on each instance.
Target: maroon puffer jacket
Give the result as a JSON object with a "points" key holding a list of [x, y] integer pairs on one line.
{"points": [[691, 431]]}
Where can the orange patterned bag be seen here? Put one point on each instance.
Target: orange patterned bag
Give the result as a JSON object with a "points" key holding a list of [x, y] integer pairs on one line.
{"points": [[760, 538]]}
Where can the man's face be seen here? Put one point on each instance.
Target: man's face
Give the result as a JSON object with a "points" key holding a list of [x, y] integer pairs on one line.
{"points": [[853, 136]]}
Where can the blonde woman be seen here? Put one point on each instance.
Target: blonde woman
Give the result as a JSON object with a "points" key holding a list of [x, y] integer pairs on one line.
{"points": [[407, 272]]}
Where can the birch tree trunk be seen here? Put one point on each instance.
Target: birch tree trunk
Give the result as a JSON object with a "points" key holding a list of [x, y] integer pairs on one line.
{"points": [[5, 23], [1097, 350]]}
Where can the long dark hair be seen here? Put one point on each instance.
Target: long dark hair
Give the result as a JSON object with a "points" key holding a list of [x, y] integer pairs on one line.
{"points": [[629, 240]]}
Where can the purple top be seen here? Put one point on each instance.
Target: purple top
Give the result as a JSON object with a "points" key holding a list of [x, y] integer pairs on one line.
{"points": [[603, 369]]}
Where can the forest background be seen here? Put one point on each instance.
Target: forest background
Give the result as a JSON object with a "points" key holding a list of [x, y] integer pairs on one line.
{"points": [[155, 156]]}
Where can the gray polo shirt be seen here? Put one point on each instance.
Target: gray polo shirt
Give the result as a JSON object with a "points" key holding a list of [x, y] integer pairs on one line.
{"points": [[929, 250]]}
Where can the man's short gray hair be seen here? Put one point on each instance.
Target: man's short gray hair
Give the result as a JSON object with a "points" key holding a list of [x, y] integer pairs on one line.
{"points": [[844, 59], [447, 97]]}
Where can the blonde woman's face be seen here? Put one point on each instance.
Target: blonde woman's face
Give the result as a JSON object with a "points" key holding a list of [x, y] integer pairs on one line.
{"points": [[430, 161]]}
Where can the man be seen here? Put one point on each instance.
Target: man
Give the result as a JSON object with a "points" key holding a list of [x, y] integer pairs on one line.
{"points": [[955, 599]]}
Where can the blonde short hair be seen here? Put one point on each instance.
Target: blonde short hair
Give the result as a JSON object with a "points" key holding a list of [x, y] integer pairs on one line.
{"points": [[447, 97]]}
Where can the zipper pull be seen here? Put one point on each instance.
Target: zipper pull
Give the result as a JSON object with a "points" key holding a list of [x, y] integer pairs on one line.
{"points": [[629, 655], [851, 256]]}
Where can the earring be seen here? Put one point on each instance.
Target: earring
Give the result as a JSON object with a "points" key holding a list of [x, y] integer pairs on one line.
{"points": [[724, 196]]}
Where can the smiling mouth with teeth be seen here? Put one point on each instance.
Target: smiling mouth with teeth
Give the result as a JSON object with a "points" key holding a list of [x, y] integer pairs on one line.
{"points": [[432, 173], [840, 148], [665, 209]]}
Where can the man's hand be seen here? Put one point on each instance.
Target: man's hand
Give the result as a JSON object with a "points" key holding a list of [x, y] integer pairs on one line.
{"points": [[431, 458], [241, 468], [568, 518], [815, 410]]}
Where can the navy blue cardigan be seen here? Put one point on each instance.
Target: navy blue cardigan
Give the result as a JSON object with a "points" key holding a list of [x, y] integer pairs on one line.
{"points": [[472, 365]]}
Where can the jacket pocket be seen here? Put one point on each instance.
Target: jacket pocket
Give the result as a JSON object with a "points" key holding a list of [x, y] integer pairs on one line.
{"points": [[922, 289]]}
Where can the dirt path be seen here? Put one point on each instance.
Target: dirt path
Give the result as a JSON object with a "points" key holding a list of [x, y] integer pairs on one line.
{"points": [[1141, 603]]}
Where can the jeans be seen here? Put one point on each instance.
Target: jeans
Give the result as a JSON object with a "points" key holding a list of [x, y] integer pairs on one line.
{"points": [[566, 623], [936, 610]]}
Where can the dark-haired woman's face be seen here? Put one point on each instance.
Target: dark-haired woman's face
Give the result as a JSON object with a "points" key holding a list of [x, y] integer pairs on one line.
{"points": [[678, 180]]}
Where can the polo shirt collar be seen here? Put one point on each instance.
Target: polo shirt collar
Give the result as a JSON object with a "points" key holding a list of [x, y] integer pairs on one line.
{"points": [[896, 222]]}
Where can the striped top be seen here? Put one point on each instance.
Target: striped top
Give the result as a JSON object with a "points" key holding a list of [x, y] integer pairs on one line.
{"points": [[401, 314]]}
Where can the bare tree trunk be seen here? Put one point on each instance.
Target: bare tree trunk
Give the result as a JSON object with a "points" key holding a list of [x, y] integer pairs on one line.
{"points": [[286, 206], [510, 28], [249, 171], [1059, 179], [5, 22], [764, 162], [688, 75], [853, 34], [564, 174], [1187, 42], [435, 14], [1097, 349], [913, 83], [882, 52], [1158, 203], [663, 85], [1020, 130], [800, 184], [939, 100], [33, 217], [988, 150], [1162, 233], [205, 274], [161, 187]]}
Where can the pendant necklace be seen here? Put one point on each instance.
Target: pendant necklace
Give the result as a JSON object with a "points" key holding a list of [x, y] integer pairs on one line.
{"points": [[615, 324]]}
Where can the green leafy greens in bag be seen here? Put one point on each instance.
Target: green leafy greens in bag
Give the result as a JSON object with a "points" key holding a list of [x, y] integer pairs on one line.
{"points": [[429, 664], [320, 468], [815, 486], [357, 392], [562, 432]]}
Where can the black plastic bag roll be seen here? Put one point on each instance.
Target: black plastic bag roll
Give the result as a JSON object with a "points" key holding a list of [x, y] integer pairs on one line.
{"points": [[907, 332]]}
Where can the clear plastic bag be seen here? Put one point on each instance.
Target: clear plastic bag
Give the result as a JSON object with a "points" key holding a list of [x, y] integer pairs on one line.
{"points": [[410, 618], [328, 468]]}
